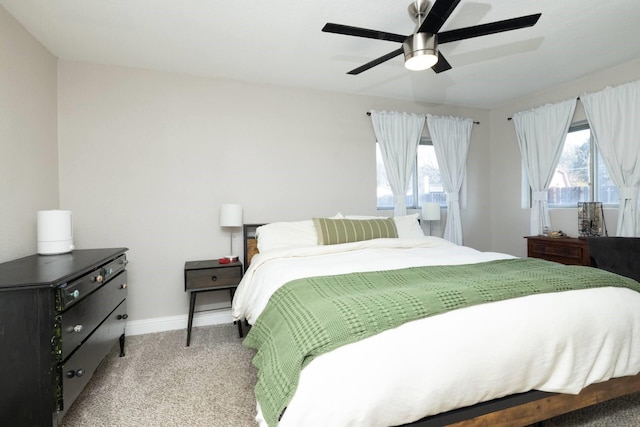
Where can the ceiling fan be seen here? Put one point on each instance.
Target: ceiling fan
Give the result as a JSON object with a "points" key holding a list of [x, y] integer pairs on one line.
{"points": [[421, 48]]}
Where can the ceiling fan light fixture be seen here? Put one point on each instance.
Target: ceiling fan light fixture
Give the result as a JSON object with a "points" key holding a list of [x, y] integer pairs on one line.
{"points": [[420, 51]]}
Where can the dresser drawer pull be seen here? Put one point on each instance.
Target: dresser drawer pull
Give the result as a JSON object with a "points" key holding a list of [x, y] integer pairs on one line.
{"points": [[78, 373], [123, 286], [76, 328], [98, 278], [75, 294], [214, 278], [122, 316]]}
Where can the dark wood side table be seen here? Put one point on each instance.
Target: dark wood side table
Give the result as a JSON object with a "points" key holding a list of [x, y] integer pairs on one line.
{"points": [[565, 250], [210, 275]]}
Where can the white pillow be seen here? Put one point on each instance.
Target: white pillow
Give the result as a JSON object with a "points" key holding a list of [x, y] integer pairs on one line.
{"points": [[408, 226], [287, 234], [278, 235]]}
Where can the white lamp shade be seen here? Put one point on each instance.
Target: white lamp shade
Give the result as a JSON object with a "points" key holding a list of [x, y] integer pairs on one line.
{"points": [[431, 211], [231, 215]]}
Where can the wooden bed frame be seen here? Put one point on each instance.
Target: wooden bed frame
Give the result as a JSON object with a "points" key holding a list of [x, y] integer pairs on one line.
{"points": [[517, 410]]}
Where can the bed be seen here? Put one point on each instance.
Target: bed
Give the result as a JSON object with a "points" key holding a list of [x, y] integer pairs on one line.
{"points": [[512, 361]]}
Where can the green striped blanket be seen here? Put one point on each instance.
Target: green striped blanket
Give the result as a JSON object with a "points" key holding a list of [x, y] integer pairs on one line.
{"points": [[308, 317]]}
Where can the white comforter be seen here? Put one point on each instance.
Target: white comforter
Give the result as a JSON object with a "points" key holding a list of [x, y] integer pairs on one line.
{"points": [[558, 342]]}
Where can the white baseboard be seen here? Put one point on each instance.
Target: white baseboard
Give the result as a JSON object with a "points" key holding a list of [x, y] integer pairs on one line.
{"points": [[161, 324]]}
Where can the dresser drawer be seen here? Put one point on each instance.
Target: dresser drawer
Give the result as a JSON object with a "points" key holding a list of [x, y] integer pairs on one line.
{"points": [[563, 250], [82, 318], [213, 277], [76, 372], [75, 291]]}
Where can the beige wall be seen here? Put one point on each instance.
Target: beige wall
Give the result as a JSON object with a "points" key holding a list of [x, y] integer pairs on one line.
{"points": [[28, 137], [147, 158], [509, 222]]}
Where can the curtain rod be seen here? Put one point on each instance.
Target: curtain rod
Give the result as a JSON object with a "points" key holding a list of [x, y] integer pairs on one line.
{"points": [[476, 123], [511, 118]]}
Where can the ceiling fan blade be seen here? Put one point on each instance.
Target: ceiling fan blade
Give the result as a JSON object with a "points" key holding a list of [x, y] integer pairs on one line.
{"points": [[375, 62], [441, 65], [439, 13], [490, 28], [362, 32]]}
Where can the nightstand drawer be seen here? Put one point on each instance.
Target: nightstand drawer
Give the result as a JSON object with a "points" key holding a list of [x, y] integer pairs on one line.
{"points": [[213, 277]]}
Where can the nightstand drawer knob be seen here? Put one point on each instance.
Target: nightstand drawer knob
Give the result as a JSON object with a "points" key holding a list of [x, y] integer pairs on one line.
{"points": [[122, 316], [214, 278]]}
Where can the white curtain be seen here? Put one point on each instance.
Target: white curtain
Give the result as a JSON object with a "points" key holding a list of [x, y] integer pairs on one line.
{"points": [[398, 135], [451, 136], [614, 118], [541, 133]]}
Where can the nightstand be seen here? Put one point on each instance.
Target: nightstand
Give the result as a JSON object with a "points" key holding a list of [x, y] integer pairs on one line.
{"points": [[565, 250], [210, 275]]}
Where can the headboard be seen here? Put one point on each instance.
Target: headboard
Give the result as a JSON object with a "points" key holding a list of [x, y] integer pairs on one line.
{"points": [[250, 243]]}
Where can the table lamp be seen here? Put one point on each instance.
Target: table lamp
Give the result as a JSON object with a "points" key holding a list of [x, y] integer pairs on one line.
{"points": [[231, 216], [430, 212]]}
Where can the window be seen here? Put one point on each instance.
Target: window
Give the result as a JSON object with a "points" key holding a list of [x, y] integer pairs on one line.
{"points": [[425, 185], [581, 175]]}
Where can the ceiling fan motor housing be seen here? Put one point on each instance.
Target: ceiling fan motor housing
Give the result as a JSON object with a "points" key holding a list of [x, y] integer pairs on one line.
{"points": [[421, 48]]}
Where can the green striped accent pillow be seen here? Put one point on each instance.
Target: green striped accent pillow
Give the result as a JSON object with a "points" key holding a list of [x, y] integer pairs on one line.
{"points": [[334, 231]]}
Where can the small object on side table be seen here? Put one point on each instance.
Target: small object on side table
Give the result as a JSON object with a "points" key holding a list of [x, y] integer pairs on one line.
{"points": [[210, 275]]}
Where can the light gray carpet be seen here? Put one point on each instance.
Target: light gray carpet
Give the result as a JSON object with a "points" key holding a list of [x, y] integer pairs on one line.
{"points": [[162, 383]]}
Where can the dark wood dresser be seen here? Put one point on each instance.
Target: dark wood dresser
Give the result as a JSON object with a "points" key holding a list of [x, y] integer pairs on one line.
{"points": [[60, 315], [565, 250]]}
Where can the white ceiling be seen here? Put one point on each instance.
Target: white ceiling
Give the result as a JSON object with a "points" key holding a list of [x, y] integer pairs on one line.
{"points": [[280, 42]]}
